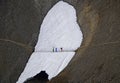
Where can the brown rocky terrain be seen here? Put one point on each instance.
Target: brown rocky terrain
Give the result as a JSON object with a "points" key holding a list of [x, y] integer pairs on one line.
{"points": [[96, 61]]}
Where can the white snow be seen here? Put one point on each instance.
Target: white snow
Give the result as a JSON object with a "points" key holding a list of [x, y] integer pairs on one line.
{"points": [[58, 30], [53, 63]]}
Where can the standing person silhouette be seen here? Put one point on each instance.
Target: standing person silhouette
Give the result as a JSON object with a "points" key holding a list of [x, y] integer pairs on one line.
{"points": [[61, 49], [53, 49]]}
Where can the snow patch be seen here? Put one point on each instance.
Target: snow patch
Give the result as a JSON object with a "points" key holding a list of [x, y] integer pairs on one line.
{"points": [[58, 30], [52, 63]]}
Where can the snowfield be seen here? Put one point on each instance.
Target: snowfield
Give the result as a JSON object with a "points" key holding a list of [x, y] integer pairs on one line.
{"points": [[52, 63], [58, 30]]}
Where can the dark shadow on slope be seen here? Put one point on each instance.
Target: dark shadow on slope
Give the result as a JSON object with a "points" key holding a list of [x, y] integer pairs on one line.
{"points": [[41, 77]]}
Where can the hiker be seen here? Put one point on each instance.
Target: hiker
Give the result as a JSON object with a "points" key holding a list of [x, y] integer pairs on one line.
{"points": [[55, 49], [61, 49]]}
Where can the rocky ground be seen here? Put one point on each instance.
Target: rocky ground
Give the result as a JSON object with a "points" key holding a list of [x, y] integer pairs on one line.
{"points": [[98, 59]]}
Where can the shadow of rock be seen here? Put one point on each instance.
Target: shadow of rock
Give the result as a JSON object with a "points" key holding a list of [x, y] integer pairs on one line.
{"points": [[42, 77]]}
